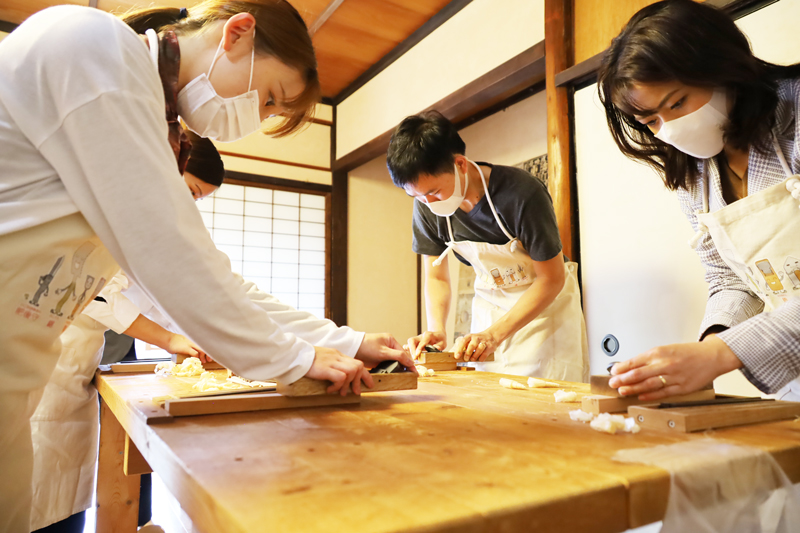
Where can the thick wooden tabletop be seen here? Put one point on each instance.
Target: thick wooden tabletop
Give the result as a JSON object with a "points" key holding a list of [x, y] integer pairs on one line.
{"points": [[460, 453]]}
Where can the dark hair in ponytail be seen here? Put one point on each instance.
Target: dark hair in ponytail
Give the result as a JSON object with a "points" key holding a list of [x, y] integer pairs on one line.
{"points": [[699, 46], [280, 33], [205, 161]]}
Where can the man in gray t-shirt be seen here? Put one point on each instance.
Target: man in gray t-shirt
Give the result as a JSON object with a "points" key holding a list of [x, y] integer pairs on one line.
{"points": [[522, 203], [500, 221]]}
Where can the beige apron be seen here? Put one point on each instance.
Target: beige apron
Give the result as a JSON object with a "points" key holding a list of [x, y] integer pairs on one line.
{"points": [[48, 274], [64, 428], [553, 345], [757, 238]]}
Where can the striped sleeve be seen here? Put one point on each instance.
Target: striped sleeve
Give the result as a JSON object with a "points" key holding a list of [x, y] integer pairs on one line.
{"points": [[768, 346]]}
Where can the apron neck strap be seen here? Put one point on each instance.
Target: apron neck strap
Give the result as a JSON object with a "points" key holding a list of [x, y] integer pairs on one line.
{"points": [[450, 244], [450, 230], [491, 204]]}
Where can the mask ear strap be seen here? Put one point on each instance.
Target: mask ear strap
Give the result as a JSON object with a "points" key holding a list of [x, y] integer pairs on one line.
{"points": [[252, 61], [216, 56]]}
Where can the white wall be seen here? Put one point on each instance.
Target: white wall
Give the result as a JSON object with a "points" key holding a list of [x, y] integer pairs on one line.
{"points": [[381, 268], [481, 36], [508, 137], [641, 281]]}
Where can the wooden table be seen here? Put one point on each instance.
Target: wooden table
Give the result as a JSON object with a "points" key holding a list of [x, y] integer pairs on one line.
{"points": [[459, 454]]}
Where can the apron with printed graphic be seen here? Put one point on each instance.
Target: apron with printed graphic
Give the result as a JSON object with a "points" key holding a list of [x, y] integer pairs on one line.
{"points": [[551, 346], [757, 238], [48, 274], [64, 426]]}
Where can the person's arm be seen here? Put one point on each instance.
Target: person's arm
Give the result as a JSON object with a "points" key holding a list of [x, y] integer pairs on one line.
{"points": [[437, 306], [550, 277], [369, 348], [113, 310], [148, 331], [674, 369], [768, 346]]}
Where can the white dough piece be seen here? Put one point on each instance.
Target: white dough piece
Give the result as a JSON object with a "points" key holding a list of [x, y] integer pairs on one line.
{"points": [[536, 383], [609, 423], [565, 396], [191, 366], [164, 368], [424, 371], [631, 426], [580, 415], [208, 382], [511, 384]]}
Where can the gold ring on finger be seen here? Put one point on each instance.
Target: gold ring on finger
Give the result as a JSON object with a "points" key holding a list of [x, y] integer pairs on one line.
{"points": [[663, 381]]}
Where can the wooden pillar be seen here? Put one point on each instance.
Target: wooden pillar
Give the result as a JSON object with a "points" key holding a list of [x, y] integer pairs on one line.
{"points": [[339, 215], [117, 494], [558, 32], [337, 271]]}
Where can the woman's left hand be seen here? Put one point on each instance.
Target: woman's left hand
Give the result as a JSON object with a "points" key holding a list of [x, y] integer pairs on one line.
{"points": [[179, 344], [674, 369], [475, 346], [378, 347]]}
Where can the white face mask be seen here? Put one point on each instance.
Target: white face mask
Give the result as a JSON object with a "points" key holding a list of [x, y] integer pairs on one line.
{"points": [[445, 208], [699, 133], [224, 119]]}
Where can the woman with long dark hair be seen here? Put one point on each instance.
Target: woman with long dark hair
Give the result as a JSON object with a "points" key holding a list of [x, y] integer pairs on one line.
{"points": [[684, 94]]}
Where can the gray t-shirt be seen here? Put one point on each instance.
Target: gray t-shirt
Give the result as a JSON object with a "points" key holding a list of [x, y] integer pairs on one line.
{"points": [[523, 205]]}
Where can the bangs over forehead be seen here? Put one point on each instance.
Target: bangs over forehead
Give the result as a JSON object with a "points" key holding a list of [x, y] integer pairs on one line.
{"points": [[622, 97], [300, 109]]}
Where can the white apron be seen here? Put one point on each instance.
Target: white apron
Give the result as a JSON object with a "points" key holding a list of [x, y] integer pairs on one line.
{"points": [[48, 273], [551, 346], [64, 428], [757, 238]]}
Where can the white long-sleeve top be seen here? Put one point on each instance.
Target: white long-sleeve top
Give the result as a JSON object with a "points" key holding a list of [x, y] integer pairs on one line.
{"points": [[82, 129], [125, 301]]}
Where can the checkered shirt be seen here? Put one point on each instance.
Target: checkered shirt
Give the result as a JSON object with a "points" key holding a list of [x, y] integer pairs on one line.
{"points": [[768, 344]]}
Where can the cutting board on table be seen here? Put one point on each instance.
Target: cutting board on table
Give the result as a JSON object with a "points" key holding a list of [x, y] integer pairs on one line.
{"points": [[426, 358], [703, 417]]}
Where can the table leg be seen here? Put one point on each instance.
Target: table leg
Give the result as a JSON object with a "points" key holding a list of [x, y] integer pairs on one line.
{"points": [[117, 494]]}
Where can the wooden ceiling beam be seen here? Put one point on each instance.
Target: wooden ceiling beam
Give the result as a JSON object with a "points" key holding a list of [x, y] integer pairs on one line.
{"points": [[492, 90]]}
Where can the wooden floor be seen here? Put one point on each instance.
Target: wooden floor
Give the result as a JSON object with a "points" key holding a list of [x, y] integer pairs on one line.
{"points": [[459, 454]]}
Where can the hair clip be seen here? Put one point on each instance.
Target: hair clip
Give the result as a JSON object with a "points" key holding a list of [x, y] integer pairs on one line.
{"points": [[183, 14]]}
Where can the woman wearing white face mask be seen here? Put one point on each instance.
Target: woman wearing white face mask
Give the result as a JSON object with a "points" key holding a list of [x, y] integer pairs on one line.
{"points": [[89, 185], [499, 220], [684, 94]]}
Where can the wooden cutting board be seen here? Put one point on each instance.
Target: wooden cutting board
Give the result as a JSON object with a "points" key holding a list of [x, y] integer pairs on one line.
{"points": [[383, 382], [426, 358], [700, 418]]}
